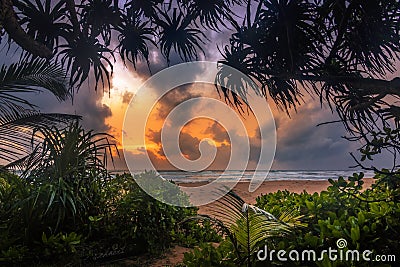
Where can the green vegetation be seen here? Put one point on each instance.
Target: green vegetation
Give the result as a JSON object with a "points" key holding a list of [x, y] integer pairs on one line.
{"points": [[44, 224], [66, 208], [367, 219], [245, 227]]}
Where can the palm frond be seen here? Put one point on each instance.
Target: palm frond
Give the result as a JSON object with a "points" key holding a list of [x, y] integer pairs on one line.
{"points": [[177, 34], [148, 8], [17, 128], [44, 21], [99, 18], [71, 151], [210, 13], [83, 54], [248, 227], [32, 76], [133, 39]]}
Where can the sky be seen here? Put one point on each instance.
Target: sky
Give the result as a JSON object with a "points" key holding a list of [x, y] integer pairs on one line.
{"points": [[301, 144]]}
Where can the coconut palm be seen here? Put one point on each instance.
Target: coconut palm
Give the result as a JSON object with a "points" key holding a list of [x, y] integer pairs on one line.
{"points": [[18, 118]]}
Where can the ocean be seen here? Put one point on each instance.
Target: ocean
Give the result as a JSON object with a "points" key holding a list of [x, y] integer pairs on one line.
{"points": [[246, 176]]}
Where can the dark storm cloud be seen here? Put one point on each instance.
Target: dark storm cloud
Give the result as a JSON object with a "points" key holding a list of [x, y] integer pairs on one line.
{"points": [[255, 148], [86, 103], [303, 145], [189, 146], [154, 136], [138, 161], [174, 98], [218, 133], [157, 63]]}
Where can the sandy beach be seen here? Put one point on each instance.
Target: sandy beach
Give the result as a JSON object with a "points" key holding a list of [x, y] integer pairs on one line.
{"points": [[296, 186], [175, 255]]}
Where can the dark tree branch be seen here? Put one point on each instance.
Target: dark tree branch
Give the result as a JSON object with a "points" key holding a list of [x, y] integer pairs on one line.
{"points": [[369, 86], [369, 103], [70, 4], [341, 31], [15, 31]]}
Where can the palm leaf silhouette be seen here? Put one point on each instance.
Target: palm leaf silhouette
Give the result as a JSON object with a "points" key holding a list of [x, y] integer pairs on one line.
{"points": [[148, 8], [32, 76], [176, 34], [18, 119], [83, 53], [71, 165], [133, 39], [99, 18], [210, 13], [44, 21]]}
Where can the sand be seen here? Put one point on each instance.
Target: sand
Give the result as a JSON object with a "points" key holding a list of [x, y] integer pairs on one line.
{"points": [[175, 255], [296, 186]]}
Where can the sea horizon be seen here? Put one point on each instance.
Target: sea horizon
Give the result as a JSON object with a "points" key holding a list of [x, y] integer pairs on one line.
{"points": [[246, 176]]}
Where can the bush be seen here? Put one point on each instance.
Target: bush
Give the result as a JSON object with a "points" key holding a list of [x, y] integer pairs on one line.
{"points": [[138, 221], [367, 219], [209, 255], [126, 221]]}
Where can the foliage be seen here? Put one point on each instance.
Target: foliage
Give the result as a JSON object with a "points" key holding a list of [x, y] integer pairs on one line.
{"points": [[375, 143], [83, 36], [18, 117], [138, 220], [44, 21], [177, 34], [60, 243], [341, 50], [367, 219], [67, 171], [122, 221], [192, 233], [208, 255], [246, 227]]}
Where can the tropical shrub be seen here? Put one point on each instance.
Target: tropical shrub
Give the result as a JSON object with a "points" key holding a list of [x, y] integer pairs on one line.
{"points": [[124, 221], [245, 228], [367, 218], [12, 190], [134, 218], [209, 255]]}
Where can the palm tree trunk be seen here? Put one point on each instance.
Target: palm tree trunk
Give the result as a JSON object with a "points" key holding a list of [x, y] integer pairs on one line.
{"points": [[13, 28]]}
